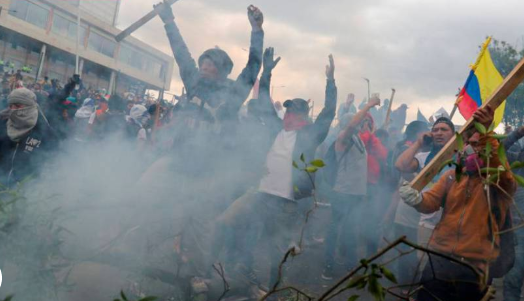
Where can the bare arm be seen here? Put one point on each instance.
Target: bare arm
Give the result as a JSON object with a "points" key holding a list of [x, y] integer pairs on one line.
{"points": [[406, 162]]}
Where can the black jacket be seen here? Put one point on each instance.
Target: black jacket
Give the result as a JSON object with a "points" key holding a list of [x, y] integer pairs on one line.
{"points": [[19, 160], [231, 93], [308, 138]]}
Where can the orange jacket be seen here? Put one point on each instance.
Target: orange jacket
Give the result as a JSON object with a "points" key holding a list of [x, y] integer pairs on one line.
{"points": [[464, 229]]}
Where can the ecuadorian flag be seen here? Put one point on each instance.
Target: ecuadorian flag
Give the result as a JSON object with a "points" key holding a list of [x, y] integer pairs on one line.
{"points": [[483, 80]]}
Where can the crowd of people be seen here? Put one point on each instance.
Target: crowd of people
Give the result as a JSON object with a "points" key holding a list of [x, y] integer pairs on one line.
{"points": [[369, 162]]}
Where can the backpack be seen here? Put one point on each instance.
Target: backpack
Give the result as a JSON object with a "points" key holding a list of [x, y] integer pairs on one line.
{"points": [[330, 171]]}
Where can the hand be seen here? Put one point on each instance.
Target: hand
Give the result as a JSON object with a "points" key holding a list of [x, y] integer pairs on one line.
{"points": [[330, 69], [269, 62], [484, 116], [165, 12], [256, 17], [373, 102], [424, 138], [409, 195]]}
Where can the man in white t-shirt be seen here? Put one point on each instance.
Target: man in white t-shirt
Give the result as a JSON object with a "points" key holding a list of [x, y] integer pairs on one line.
{"points": [[413, 160]]}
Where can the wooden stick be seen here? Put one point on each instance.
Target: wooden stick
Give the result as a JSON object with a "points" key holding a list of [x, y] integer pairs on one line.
{"points": [[128, 31], [388, 115], [509, 84]]}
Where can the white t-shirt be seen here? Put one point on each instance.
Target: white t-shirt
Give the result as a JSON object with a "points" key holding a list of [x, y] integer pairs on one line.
{"points": [[432, 219], [279, 163]]}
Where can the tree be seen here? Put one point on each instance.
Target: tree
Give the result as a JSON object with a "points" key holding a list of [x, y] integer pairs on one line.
{"points": [[505, 57]]}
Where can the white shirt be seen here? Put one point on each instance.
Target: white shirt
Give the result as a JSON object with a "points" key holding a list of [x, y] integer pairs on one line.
{"points": [[279, 163], [432, 219]]}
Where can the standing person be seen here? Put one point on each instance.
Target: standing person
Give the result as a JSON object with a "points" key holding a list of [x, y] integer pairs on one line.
{"points": [[83, 116], [26, 138], [470, 224], [376, 157], [514, 280], [413, 160], [349, 192], [282, 186], [207, 84], [401, 219]]}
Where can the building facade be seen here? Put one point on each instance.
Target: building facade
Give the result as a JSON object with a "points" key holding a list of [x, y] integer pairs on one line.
{"points": [[40, 36]]}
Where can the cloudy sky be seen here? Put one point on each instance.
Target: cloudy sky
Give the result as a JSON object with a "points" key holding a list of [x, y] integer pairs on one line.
{"points": [[422, 48]]}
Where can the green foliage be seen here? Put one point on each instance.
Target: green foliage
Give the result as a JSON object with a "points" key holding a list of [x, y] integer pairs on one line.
{"points": [[353, 298], [32, 242], [310, 168], [318, 163], [460, 141], [370, 279], [480, 128], [506, 57], [8, 298]]}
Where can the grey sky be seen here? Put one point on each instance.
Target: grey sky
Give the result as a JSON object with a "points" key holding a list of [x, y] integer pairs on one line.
{"points": [[422, 48]]}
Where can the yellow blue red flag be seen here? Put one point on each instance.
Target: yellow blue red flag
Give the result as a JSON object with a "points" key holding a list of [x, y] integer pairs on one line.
{"points": [[483, 80]]}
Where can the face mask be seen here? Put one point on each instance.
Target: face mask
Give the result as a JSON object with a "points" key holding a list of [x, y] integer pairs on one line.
{"points": [[473, 162]]}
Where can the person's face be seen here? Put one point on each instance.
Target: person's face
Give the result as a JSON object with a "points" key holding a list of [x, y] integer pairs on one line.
{"points": [[474, 142], [208, 69], [16, 106], [367, 125], [442, 133]]}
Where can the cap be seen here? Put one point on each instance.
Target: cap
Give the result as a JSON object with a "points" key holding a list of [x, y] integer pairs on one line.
{"points": [[297, 105]]}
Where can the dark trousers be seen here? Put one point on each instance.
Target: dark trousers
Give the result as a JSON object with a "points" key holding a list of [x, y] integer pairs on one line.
{"points": [[407, 264], [279, 219], [344, 228], [454, 282]]}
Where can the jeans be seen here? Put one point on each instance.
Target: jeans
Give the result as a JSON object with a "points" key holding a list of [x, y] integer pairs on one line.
{"points": [[452, 282], [346, 214], [514, 279]]}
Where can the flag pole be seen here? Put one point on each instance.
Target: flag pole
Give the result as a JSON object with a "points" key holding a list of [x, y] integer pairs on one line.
{"points": [[77, 65]]}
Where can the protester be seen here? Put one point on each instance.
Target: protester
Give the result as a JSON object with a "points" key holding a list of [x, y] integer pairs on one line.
{"points": [[283, 185], [349, 191], [463, 231], [414, 160], [404, 218], [515, 278], [26, 138], [208, 85]]}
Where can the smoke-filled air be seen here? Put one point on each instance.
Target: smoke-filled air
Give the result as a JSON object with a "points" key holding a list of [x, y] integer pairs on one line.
{"points": [[196, 150]]}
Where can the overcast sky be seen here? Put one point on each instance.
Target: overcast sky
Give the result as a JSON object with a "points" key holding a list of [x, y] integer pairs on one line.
{"points": [[422, 48]]}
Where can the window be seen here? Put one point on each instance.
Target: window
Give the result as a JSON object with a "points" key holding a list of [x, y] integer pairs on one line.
{"points": [[141, 61], [67, 28], [29, 12], [101, 44]]}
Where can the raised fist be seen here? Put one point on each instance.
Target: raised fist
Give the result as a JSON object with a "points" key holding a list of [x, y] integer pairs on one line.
{"points": [[256, 17], [165, 12]]}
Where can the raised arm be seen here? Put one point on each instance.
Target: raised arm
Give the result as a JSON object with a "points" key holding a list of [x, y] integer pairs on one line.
{"points": [[351, 128], [248, 76], [406, 162], [186, 63], [508, 143], [268, 112], [326, 116]]}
